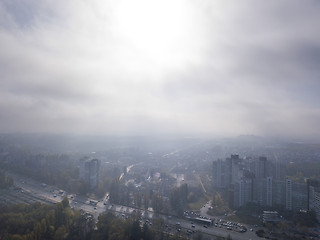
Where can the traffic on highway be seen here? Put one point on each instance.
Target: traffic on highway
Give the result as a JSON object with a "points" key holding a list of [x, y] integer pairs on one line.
{"points": [[28, 190]]}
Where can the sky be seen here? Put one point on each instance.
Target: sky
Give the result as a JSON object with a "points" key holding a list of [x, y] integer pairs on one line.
{"points": [[144, 67]]}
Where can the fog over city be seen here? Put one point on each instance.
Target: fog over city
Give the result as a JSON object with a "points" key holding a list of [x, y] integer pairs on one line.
{"points": [[159, 119], [216, 68]]}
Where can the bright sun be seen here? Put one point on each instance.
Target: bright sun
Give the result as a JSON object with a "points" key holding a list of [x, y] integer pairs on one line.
{"points": [[163, 32]]}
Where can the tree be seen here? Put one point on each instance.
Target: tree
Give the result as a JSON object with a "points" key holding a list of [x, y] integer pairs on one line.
{"points": [[5, 182], [178, 198], [138, 199], [65, 202], [229, 237], [17, 237], [198, 236], [114, 191], [39, 221], [61, 233], [146, 201], [157, 202], [146, 233], [82, 187], [135, 233]]}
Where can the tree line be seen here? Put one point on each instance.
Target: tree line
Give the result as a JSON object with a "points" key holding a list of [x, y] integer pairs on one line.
{"points": [[41, 221], [58, 222], [5, 181]]}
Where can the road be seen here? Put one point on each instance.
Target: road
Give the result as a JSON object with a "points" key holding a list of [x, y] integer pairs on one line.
{"points": [[50, 194]]}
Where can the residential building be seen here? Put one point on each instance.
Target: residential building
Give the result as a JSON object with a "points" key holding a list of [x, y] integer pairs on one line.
{"points": [[314, 200], [288, 185], [89, 171]]}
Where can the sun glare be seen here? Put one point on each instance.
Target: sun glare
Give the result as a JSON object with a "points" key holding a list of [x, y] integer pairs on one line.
{"points": [[159, 31]]}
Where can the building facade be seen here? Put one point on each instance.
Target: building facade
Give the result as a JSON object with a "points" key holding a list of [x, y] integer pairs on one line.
{"points": [[89, 171]]}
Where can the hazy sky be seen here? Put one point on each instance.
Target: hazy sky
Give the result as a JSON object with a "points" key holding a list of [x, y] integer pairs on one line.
{"points": [[146, 67]]}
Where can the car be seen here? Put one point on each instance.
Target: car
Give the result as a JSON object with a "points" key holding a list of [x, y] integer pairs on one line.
{"points": [[95, 207], [205, 226], [54, 195], [193, 226], [251, 229]]}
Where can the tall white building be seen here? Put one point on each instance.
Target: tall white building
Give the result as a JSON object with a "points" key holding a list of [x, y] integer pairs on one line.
{"points": [[288, 194], [269, 192], [299, 196], [314, 200], [245, 192], [261, 167], [89, 171], [235, 171], [259, 191], [278, 194]]}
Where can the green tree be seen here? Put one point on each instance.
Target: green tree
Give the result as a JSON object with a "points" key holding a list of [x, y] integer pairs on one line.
{"points": [[114, 191], [61, 233], [146, 201], [157, 202], [138, 199], [17, 237], [135, 233], [65, 202], [178, 198]]}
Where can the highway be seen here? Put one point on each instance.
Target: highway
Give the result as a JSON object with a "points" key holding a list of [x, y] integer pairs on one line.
{"points": [[29, 191]]}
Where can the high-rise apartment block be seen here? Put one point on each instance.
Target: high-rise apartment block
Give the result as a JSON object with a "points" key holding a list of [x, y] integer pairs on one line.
{"points": [[89, 171], [314, 199], [288, 194], [242, 192], [258, 181]]}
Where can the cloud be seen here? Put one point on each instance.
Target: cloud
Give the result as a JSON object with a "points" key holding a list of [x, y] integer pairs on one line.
{"points": [[150, 67]]}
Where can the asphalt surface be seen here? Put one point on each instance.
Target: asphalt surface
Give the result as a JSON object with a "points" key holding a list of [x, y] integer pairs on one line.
{"points": [[27, 191]]}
